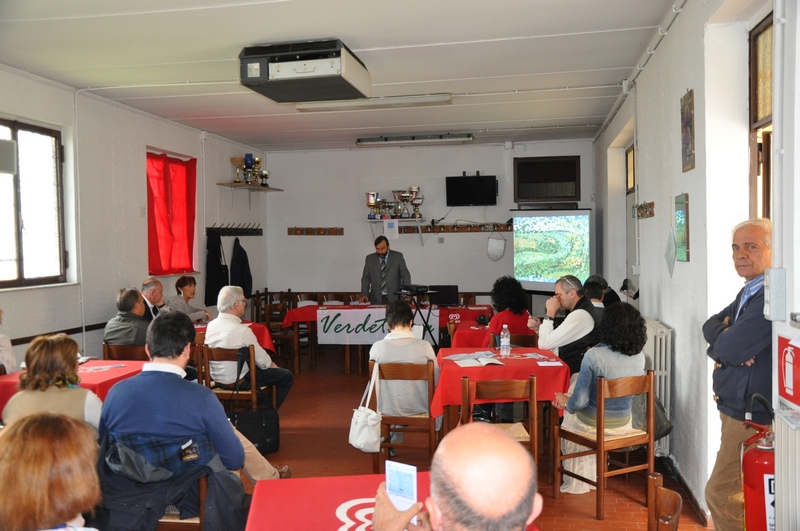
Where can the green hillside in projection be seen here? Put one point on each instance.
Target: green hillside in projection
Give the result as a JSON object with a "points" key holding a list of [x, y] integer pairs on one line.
{"points": [[545, 249]]}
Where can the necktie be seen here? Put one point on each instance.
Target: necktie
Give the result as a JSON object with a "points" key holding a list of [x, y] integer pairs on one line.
{"points": [[383, 275], [155, 310]]}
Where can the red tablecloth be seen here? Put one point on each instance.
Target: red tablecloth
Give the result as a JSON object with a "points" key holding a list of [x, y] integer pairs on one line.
{"points": [[303, 314], [549, 379], [262, 334], [93, 377], [471, 334], [345, 503], [463, 313]]}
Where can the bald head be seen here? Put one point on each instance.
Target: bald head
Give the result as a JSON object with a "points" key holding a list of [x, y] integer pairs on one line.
{"points": [[483, 479]]}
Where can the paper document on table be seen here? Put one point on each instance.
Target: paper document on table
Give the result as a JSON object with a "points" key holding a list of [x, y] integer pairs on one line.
{"points": [[471, 356], [551, 363], [479, 362]]}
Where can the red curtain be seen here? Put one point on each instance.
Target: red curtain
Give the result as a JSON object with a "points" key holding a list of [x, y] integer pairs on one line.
{"points": [[171, 192]]}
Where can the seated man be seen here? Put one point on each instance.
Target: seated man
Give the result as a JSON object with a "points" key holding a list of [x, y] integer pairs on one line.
{"points": [[481, 479], [227, 331], [128, 327], [153, 293], [177, 425]]}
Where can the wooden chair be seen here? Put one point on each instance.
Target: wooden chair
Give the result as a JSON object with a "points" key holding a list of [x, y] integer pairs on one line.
{"points": [[227, 394], [304, 298], [525, 432], [517, 340], [663, 507], [466, 299], [2, 369], [173, 522], [421, 423], [333, 299], [600, 444], [124, 352], [288, 341]]}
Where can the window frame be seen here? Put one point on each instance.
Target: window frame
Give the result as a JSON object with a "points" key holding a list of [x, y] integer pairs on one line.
{"points": [[63, 258]]}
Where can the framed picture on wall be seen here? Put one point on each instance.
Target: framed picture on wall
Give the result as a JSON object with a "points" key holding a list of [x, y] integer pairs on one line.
{"points": [[687, 131], [682, 227]]}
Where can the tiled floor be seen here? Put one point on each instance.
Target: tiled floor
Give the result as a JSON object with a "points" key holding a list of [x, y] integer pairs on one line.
{"points": [[315, 421]]}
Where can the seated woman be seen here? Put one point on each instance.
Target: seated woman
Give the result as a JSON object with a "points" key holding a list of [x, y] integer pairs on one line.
{"points": [[619, 355], [398, 397], [50, 385], [186, 288], [7, 358], [47, 469], [508, 300]]}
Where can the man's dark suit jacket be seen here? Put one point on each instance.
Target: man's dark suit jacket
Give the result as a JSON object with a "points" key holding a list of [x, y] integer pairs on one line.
{"points": [[397, 275]]}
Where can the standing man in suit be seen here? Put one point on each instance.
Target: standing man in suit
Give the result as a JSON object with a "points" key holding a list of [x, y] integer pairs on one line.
{"points": [[153, 293], [384, 272]]}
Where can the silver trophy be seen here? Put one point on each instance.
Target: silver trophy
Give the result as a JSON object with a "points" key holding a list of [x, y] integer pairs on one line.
{"points": [[398, 200], [417, 201], [372, 203]]}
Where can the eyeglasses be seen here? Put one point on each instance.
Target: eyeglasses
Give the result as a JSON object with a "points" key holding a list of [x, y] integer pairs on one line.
{"points": [[569, 282]]}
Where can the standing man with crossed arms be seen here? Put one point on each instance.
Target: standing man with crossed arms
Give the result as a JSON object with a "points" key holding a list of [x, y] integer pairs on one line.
{"points": [[740, 343], [384, 272]]}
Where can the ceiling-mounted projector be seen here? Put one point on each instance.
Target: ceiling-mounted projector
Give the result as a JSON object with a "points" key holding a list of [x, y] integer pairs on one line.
{"points": [[304, 71]]}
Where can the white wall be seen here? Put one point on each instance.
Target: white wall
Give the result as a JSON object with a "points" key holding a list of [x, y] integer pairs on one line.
{"points": [[327, 189], [711, 60], [106, 200]]}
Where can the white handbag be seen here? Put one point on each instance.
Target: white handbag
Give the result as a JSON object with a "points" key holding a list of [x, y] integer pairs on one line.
{"points": [[365, 428]]}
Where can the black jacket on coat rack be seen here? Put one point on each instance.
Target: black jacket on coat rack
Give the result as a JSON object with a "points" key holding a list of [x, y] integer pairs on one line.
{"points": [[216, 268], [240, 269]]}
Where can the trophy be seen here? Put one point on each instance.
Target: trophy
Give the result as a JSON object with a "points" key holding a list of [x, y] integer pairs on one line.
{"points": [[239, 163], [262, 178], [405, 197], [372, 203], [417, 201], [397, 201], [388, 206]]}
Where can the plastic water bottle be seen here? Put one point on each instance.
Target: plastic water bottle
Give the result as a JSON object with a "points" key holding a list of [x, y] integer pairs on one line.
{"points": [[505, 342]]}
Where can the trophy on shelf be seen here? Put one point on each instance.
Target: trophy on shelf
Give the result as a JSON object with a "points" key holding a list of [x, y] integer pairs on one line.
{"points": [[249, 162], [372, 203], [239, 163], [397, 201], [417, 201], [262, 178], [387, 207], [405, 197]]}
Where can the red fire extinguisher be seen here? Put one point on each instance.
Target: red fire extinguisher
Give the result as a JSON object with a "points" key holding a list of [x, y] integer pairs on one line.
{"points": [[758, 473]]}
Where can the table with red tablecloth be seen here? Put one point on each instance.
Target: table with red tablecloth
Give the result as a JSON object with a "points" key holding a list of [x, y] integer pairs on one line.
{"points": [[261, 332], [345, 503], [470, 334], [461, 314], [97, 376]]}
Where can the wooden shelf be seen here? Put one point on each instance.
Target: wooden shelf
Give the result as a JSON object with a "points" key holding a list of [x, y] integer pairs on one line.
{"points": [[250, 187], [444, 229]]}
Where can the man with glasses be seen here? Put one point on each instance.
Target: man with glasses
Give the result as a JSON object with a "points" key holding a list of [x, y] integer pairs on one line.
{"points": [[577, 332], [228, 331]]}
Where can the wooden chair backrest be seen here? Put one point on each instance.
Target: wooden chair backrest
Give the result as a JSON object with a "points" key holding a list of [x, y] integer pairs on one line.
{"points": [[497, 390], [466, 298], [664, 505], [405, 371], [231, 354], [517, 340], [174, 523], [619, 387], [124, 352]]}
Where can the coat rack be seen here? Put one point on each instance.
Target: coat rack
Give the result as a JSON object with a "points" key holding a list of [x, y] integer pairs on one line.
{"points": [[232, 229]]}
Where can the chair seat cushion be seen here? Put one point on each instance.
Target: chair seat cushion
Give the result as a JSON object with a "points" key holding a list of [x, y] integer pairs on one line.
{"points": [[516, 430], [593, 436]]}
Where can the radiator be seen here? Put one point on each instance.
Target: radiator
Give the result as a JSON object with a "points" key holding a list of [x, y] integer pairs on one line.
{"points": [[658, 354]]}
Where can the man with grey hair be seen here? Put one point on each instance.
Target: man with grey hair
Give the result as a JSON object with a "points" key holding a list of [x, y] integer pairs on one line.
{"points": [[153, 293], [128, 327], [740, 343], [481, 479], [228, 331], [577, 332]]}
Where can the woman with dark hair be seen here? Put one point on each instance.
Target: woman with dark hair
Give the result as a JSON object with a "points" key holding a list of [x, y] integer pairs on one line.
{"points": [[619, 355], [186, 287], [508, 301], [47, 470], [51, 384]]}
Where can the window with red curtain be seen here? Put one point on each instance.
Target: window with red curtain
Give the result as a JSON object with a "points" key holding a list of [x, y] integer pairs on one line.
{"points": [[171, 191]]}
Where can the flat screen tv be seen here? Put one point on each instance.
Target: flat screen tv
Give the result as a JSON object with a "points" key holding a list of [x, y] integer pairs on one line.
{"points": [[547, 179], [549, 244], [471, 190]]}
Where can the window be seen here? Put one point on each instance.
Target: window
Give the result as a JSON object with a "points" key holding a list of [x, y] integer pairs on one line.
{"points": [[761, 38], [171, 190], [630, 169], [31, 206]]}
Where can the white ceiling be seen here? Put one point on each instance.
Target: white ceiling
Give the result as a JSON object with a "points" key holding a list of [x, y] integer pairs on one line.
{"points": [[517, 69]]}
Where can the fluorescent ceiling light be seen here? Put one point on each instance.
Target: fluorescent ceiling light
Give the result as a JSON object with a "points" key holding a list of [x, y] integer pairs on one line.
{"points": [[415, 140], [388, 102]]}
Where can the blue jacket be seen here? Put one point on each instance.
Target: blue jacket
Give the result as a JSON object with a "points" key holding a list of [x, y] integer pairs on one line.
{"points": [[746, 337], [602, 361]]}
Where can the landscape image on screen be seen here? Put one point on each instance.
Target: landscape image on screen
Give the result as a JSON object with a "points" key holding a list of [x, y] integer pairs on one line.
{"points": [[550, 246]]}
